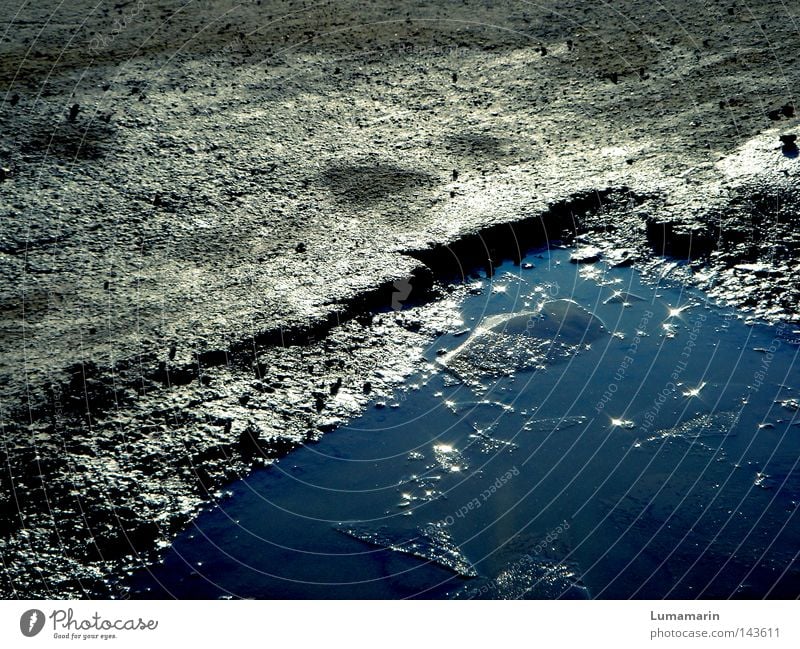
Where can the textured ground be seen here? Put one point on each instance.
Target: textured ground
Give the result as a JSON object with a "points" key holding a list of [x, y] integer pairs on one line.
{"points": [[202, 206]]}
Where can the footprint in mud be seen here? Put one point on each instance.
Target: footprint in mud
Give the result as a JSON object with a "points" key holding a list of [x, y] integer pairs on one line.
{"points": [[364, 183], [433, 543], [504, 344]]}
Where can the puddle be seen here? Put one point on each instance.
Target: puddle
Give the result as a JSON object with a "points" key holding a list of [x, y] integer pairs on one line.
{"points": [[582, 433]]}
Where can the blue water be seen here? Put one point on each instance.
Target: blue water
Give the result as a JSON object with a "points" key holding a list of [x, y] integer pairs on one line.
{"points": [[660, 459]]}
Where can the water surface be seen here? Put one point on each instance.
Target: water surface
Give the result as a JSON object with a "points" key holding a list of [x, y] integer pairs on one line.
{"points": [[592, 434]]}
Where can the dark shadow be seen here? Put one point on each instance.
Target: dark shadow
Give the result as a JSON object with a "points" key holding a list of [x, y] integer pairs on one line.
{"points": [[789, 146], [71, 141]]}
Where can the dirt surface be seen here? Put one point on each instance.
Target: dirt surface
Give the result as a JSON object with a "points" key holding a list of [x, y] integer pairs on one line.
{"points": [[225, 225]]}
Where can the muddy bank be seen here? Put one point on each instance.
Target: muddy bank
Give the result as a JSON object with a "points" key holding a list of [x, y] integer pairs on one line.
{"points": [[224, 249]]}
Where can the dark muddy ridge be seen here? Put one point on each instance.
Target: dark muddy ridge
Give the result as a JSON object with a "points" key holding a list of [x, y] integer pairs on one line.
{"points": [[240, 234]]}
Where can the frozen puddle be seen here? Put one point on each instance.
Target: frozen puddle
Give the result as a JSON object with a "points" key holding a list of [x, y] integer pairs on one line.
{"points": [[582, 433]]}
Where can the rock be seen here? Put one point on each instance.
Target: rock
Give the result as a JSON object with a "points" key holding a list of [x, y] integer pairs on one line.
{"points": [[621, 257], [586, 255]]}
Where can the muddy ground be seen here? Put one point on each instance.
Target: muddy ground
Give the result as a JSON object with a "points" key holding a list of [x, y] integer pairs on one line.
{"points": [[227, 227]]}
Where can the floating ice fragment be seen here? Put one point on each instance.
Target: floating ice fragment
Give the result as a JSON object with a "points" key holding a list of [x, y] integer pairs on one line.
{"points": [[506, 343], [586, 255], [552, 424], [707, 425], [448, 458], [622, 297], [529, 578], [433, 543]]}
